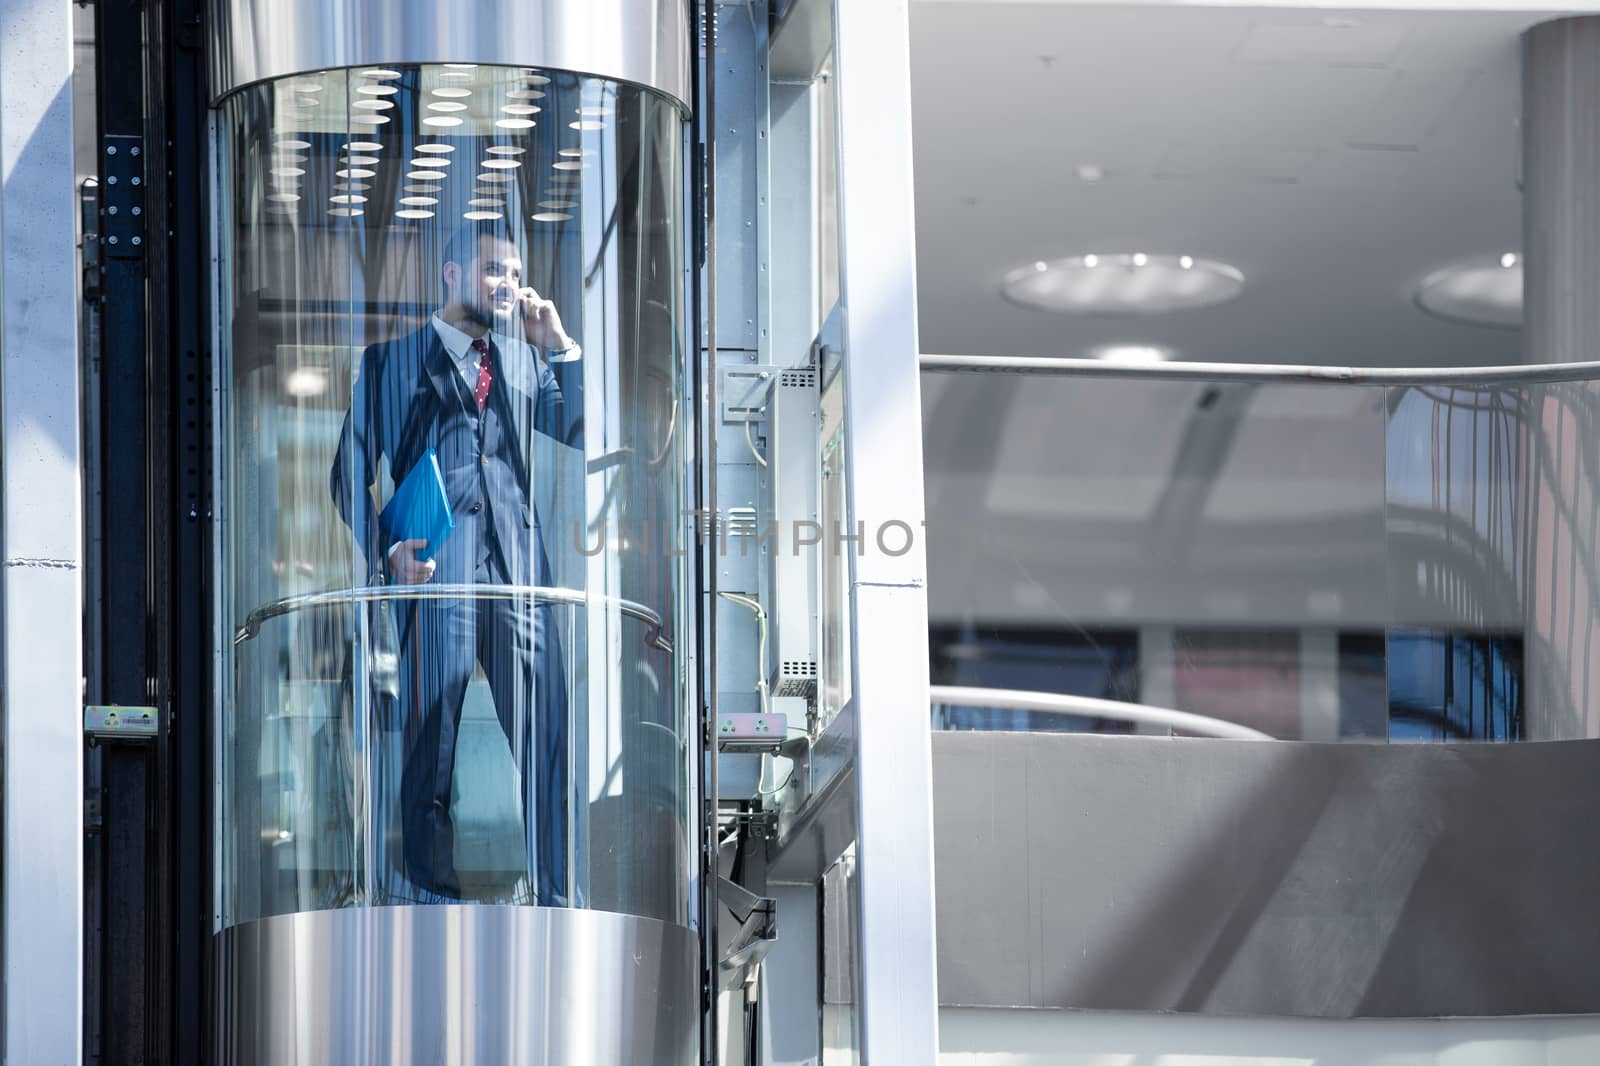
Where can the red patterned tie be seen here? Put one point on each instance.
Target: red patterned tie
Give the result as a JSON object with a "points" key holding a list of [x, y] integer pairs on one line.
{"points": [[485, 373]]}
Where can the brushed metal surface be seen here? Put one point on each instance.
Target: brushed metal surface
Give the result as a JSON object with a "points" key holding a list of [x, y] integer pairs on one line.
{"points": [[457, 985], [645, 42], [1287, 879]]}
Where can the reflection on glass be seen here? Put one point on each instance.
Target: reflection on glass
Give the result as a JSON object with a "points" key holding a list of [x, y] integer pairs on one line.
{"points": [[1101, 665], [1319, 563], [451, 307]]}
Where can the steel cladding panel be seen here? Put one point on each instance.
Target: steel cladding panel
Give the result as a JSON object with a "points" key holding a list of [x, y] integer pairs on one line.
{"points": [[1271, 879]]}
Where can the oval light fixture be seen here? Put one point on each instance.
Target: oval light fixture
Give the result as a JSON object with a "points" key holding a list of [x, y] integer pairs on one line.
{"points": [[1485, 290], [1123, 283]]}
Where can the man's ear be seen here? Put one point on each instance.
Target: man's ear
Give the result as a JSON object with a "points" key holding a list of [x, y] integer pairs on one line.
{"points": [[452, 275]]}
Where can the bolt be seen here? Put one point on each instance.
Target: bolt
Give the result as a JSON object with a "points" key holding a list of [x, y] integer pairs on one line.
{"points": [[136, 181], [133, 151], [111, 210], [111, 240], [112, 180], [136, 240], [137, 211], [111, 149]]}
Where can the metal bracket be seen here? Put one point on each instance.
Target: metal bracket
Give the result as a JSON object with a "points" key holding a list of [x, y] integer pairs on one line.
{"points": [[751, 732], [122, 220], [758, 930], [121, 723]]}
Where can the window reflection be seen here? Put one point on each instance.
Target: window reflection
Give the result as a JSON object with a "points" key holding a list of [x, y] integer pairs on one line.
{"points": [[451, 309]]}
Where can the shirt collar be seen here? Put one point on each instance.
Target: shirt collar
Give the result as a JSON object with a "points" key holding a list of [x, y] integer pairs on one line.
{"points": [[459, 343]]}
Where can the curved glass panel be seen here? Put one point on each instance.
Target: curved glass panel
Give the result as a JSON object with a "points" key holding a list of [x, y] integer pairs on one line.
{"points": [[451, 474], [1328, 562]]}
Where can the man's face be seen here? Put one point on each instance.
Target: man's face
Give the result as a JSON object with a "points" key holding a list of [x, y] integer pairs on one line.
{"points": [[488, 286]]}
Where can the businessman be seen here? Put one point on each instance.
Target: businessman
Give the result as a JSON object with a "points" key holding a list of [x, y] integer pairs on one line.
{"points": [[475, 383]]}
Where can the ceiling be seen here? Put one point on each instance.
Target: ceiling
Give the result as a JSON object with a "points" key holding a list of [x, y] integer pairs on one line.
{"points": [[1336, 157]]}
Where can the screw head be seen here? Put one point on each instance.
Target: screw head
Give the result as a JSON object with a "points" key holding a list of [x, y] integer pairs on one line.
{"points": [[111, 149], [136, 181], [111, 240], [136, 240], [112, 180], [111, 210], [133, 151]]}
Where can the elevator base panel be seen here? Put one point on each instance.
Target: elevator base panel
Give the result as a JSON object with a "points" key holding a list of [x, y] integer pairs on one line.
{"points": [[457, 985]]}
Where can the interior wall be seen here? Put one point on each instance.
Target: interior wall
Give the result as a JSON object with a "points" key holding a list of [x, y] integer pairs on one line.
{"points": [[987, 1037]]}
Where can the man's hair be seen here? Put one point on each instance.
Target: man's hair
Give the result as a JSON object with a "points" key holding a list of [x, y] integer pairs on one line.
{"points": [[462, 247]]}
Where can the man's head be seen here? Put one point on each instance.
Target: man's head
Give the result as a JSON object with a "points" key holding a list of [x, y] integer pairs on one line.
{"points": [[482, 274]]}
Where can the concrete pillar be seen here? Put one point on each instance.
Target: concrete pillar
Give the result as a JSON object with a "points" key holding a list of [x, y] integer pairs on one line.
{"points": [[1561, 323], [40, 533]]}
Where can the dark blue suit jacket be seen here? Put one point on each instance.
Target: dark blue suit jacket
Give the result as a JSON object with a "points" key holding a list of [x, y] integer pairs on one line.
{"points": [[410, 397]]}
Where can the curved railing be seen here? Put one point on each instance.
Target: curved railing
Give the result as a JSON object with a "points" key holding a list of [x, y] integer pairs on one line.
{"points": [[1273, 373], [1001, 699], [376, 593]]}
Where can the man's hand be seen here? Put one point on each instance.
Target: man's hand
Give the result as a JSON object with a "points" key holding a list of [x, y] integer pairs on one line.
{"points": [[406, 567], [541, 322]]}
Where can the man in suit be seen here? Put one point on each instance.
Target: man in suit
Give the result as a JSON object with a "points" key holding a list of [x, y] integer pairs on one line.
{"points": [[475, 383]]}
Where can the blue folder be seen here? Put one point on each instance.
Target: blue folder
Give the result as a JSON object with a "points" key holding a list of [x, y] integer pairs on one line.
{"points": [[419, 508]]}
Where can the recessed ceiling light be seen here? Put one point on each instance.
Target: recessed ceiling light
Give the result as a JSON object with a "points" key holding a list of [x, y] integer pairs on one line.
{"points": [[352, 186], [283, 197], [558, 205], [492, 178], [361, 160], [380, 73], [370, 120], [362, 146], [586, 125], [355, 172], [1131, 353], [502, 164], [1483, 291], [533, 78], [422, 188], [1134, 283], [550, 216], [450, 91], [487, 201], [345, 212], [520, 109], [446, 105], [348, 198], [419, 201], [594, 111], [524, 94], [504, 149], [287, 172], [514, 123], [481, 216], [413, 212], [441, 120], [431, 146], [377, 90], [424, 162], [427, 175], [567, 164], [372, 105], [292, 145], [461, 66], [457, 75]]}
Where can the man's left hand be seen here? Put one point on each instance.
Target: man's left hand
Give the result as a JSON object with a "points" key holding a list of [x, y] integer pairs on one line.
{"points": [[541, 322]]}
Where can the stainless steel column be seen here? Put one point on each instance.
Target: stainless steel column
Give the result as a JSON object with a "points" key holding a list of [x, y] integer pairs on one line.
{"points": [[42, 531], [896, 987], [1561, 324]]}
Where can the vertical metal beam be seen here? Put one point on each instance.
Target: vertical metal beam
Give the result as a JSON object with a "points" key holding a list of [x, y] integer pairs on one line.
{"points": [[40, 535], [883, 416]]}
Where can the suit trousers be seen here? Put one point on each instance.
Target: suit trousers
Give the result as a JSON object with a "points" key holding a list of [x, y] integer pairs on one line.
{"points": [[518, 645]]}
